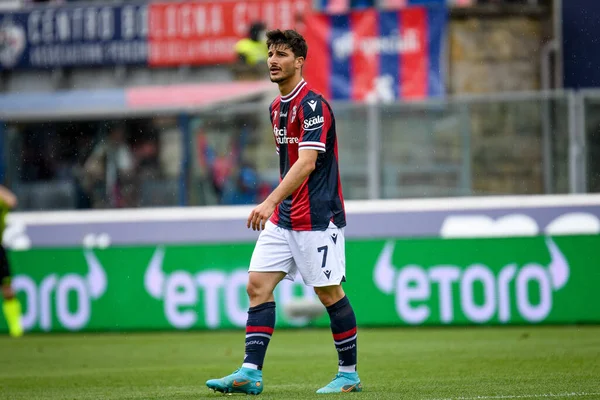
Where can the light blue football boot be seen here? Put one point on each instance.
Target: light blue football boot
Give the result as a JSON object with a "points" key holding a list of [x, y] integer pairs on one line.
{"points": [[243, 380], [344, 382]]}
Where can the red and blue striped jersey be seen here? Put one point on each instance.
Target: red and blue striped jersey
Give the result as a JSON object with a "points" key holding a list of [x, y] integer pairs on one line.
{"points": [[304, 120]]}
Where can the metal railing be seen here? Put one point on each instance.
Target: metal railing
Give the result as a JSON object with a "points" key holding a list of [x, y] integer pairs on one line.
{"points": [[508, 143]]}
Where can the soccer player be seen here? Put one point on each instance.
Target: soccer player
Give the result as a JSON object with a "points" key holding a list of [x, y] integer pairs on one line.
{"points": [[301, 222], [10, 306]]}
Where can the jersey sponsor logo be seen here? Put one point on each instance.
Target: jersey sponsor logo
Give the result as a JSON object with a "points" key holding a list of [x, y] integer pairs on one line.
{"points": [[66, 299], [312, 104], [281, 136], [507, 291], [407, 42], [209, 294], [313, 121]]}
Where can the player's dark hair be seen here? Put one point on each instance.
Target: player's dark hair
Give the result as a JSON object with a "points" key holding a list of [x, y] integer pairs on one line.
{"points": [[288, 38]]}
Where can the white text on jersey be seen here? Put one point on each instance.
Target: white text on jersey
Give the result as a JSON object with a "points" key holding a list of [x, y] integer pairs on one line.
{"points": [[281, 136], [313, 121]]}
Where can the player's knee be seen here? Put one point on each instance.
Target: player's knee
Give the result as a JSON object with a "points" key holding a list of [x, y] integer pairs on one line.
{"points": [[252, 289], [330, 295], [256, 289]]}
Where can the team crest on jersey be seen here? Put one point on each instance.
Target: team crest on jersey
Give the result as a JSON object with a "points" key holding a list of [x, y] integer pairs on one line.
{"points": [[294, 113]]}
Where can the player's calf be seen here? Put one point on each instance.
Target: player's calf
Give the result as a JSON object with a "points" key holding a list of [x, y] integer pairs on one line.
{"points": [[343, 328], [11, 309]]}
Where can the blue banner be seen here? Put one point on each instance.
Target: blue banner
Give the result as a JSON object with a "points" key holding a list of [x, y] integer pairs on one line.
{"points": [[74, 36], [580, 44]]}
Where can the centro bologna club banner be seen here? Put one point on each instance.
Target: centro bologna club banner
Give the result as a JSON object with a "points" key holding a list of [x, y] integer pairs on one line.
{"points": [[377, 55], [154, 34]]}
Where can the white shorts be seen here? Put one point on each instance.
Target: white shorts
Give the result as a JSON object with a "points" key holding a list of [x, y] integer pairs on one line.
{"points": [[319, 256]]}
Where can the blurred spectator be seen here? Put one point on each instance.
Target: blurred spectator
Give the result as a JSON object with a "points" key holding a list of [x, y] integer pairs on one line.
{"points": [[232, 173], [218, 166], [145, 154], [108, 173], [83, 145], [252, 54], [241, 186]]}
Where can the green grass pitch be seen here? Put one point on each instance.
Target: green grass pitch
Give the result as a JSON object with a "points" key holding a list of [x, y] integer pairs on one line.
{"points": [[417, 363]]}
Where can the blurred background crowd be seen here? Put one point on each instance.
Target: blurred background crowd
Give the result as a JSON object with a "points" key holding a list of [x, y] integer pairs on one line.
{"points": [[171, 109]]}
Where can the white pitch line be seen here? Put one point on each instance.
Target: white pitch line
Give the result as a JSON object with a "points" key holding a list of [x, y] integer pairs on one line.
{"points": [[524, 396]]}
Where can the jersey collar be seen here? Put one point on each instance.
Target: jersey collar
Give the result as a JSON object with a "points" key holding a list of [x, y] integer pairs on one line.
{"points": [[294, 92]]}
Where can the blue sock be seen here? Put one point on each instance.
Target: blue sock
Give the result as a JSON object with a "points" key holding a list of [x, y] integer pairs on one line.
{"points": [[259, 328], [343, 327]]}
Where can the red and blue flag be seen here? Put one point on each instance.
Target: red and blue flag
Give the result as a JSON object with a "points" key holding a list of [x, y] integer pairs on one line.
{"points": [[388, 55]]}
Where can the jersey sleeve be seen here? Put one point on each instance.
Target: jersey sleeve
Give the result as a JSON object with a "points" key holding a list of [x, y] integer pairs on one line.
{"points": [[315, 121]]}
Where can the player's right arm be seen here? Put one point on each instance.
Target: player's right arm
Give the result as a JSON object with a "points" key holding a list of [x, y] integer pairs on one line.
{"points": [[7, 197], [297, 174]]}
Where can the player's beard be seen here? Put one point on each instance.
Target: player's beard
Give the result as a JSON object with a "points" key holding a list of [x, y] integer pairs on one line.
{"points": [[283, 75]]}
